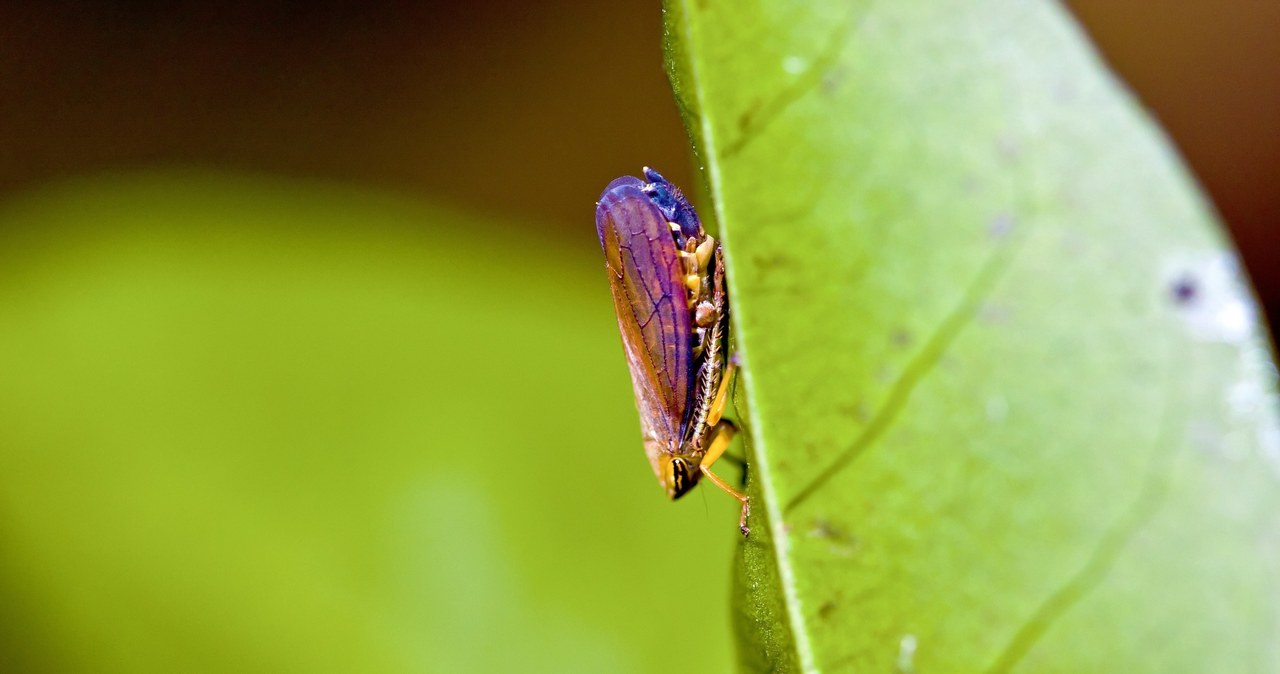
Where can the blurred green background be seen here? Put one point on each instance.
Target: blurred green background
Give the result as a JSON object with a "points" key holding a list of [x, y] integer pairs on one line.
{"points": [[308, 362]]}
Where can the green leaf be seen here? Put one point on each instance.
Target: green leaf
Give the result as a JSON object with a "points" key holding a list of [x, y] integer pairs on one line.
{"points": [[257, 425], [1008, 399]]}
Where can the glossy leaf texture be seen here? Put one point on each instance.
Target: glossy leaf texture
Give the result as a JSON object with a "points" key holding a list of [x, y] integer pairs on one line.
{"points": [[1008, 398]]}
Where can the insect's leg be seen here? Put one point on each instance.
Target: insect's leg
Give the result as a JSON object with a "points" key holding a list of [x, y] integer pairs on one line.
{"points": [[722, 395], [722, 435]]}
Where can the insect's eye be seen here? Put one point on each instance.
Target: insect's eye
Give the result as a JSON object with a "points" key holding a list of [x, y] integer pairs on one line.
{"points": [[679, 476], [660, 196]]}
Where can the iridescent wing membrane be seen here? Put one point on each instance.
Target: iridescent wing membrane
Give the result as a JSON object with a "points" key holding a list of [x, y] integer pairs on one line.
{"points": [[646, 276]]}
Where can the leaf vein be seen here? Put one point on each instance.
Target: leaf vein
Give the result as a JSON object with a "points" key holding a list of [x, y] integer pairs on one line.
{"points": [[1151, 496], [754, 122], [934, 348]]}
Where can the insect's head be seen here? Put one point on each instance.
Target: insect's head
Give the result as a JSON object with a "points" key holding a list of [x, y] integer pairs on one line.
{"points": [[678, 475], [670, 200]]}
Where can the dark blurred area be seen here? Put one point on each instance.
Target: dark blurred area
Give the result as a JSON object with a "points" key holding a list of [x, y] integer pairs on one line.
{"points": [[524, 108], [520, 108], [1208, 72]]}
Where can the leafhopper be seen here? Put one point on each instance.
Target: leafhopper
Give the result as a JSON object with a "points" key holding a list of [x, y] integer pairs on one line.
{"points": [[667, 278]]}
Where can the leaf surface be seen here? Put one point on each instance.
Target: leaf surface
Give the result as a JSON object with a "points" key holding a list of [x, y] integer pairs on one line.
{"points": [[1009, 402]]}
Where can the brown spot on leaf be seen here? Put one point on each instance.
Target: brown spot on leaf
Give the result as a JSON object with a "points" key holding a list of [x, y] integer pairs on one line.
{"points": [[832, 80], [993, 313], [772, 261], [1009, 149], [1000, 226], [840, 542], [1184, 290], [747, 118]]}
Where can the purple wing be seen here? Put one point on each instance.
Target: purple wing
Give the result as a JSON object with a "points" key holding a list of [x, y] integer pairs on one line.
{"points": [[646, 275]]}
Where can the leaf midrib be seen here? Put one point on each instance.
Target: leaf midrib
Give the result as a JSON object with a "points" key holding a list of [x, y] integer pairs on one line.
{"points": [[778, 536]]}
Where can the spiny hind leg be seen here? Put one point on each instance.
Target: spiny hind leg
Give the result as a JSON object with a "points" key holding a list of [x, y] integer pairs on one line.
{"points": [[719, 402], [721, 435]]}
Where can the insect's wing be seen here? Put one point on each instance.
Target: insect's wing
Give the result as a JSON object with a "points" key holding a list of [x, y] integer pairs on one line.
{"points": [[646, 276]]}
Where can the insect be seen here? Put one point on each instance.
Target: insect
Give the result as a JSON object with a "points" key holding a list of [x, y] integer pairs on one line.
{"points": [[667, 278]]}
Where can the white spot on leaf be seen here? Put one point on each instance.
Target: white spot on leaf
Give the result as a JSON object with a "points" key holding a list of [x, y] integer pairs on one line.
{"points": [[1212, 298], [907, 654], [997, 409], [793, 65]]}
